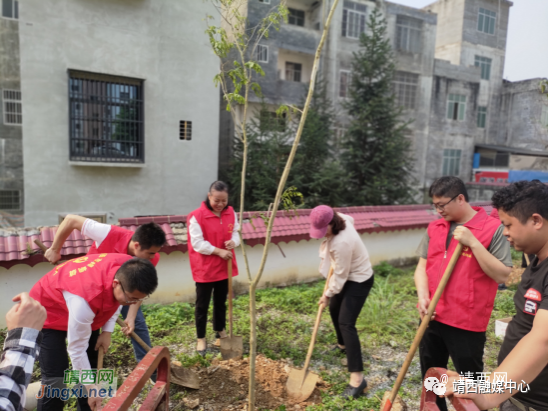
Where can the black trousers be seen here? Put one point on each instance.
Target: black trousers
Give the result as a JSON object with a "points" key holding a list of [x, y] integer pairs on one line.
{"points": [[54, 360], [345, 308], [203, 298], [441, 341]]}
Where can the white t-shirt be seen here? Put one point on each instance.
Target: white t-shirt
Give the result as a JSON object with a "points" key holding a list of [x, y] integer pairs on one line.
{"points": [[95, 230], [79, 329]]}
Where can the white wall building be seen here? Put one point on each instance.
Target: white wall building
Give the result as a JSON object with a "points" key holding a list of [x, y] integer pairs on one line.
{"points": [[120, 113]]}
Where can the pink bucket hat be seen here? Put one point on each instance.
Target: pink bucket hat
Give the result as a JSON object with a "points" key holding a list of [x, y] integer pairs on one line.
{"points": [[320, 217]]}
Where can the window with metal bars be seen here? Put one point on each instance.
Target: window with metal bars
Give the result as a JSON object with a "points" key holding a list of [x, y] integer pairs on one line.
{"points": [[484, 63], [353, 22], [106, 119], [482, 117], [405, 88], [408, 34], [544, 116], [10, 9], [10, 200], [293, 71], [295, 17], [13, 109], [456, 107], [486, 21], [185, 130], [451, 162]]}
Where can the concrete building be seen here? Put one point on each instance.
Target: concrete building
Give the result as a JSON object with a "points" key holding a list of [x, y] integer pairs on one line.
{"points": [[116, 101], [449, 61]]}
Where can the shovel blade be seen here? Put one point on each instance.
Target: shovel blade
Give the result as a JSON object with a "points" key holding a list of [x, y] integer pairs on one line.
{"points": [[232, 348], [184, 377], [300, 384]]}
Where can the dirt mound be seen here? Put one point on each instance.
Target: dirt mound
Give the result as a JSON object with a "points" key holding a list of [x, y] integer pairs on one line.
{"points": [[224, 386]]}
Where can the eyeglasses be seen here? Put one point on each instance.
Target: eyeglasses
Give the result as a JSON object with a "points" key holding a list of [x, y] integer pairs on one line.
{"points": [[442, 206], [133, 300]]}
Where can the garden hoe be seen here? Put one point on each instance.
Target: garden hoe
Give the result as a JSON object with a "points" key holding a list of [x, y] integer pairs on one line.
{"points": [[232, 346], [179, 375], [301, 383], [387, 406], [100, 355]]}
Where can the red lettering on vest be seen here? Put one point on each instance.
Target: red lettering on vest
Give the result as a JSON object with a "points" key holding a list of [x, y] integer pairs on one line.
{"points": [[93, 284], [533, 294], [468, 298], [216, 230], [117, 241]]}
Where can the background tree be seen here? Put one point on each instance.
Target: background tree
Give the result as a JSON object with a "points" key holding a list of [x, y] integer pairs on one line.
{"points": [[376, 152], [316, 172]]}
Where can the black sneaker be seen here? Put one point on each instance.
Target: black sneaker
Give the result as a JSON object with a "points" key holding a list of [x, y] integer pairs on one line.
{"points": [[338, 350], [502, 287], [354, 392]]}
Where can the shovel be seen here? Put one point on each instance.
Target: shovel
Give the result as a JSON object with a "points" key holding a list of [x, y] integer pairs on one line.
{"points": [[179, 375], [231, 346], [424, 324], [301, 383]]}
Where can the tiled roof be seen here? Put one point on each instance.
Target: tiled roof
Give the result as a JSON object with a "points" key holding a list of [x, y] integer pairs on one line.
{"points": [[17, 245]]}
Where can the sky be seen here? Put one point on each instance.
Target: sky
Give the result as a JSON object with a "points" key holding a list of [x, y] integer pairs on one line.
{"points": [[526, 49]]}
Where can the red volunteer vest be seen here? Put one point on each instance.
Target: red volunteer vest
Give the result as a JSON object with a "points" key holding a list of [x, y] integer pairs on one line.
{"points": [[117, 241], [468, 298], [216, 230], [89, 277]]}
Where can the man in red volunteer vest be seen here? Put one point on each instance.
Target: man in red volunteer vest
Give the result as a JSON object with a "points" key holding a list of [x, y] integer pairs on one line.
{"points": [[523, 356], [458, 326], [81, 296], [145, 243]]}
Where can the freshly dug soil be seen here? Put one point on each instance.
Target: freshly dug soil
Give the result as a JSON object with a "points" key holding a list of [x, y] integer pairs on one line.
{"points": [[224, 386]]}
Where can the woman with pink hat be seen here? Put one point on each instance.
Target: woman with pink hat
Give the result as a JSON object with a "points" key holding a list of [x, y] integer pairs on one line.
{"points": [[348, 288]]}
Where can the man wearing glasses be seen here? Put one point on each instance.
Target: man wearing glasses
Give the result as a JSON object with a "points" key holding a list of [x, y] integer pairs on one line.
{"points": [[458, 326], [81, 296]]}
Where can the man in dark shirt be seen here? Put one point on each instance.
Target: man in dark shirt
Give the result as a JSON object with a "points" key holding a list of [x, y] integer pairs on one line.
{"points": [[523, 210]]}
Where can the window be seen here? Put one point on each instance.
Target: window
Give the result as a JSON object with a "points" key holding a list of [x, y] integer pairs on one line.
{"points": [[484, 64], [405, 88], [99, 217], [353, 24], [10, 9], [344, 82], [13, 110], [486, 21], [106, 118], [262, 53], [544, 116], [408, 34], [482, 116], [451, 162], [296, 17], [10, 200], [270, 121], [264, 1], [293, 71], [185, 130], [456, 106]]}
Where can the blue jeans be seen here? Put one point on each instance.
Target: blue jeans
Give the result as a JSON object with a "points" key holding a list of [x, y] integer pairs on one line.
{"points": [[141, 330]]}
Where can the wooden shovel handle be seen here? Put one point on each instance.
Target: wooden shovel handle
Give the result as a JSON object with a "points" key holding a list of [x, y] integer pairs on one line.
{"points": [[134, 336], [43, 247], [100, 357], [230, 296], [316, 325], [424, 324]]}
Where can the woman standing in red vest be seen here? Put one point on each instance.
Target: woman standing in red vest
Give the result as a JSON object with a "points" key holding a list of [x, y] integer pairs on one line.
{"points": [[213, 235]]}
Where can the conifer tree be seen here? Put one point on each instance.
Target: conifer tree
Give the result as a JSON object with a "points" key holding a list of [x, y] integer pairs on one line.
{"points": [[377, 154]]}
